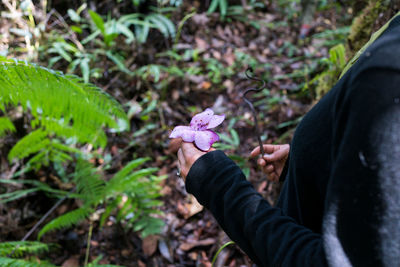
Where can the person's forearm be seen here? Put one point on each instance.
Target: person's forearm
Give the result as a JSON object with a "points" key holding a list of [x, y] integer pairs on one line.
{"points": [[268, 236]]}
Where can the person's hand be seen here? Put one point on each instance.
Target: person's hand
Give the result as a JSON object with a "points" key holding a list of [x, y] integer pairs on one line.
{"points": [[187, 155], [273, 160]]}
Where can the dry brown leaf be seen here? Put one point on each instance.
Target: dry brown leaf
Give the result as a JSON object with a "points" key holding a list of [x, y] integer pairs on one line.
{"points": [[125, 253], [193, 207], [206, 85], [186, 246], [201, 44], [149, 245], [72, 261]]}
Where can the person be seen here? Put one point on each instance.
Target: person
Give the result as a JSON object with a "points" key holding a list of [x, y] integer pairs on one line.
{"points": [[340, 200]]}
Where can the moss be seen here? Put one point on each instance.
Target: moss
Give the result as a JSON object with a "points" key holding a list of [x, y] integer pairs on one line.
{"points": [[363, 24]]}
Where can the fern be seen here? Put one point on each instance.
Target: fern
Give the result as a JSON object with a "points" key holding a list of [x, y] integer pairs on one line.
{"points": [[141, 190], [60, 104], [18, 249], [29, 144], [120, 183], [38, 186], [66, 220], [21, 248], [90, 186], [6, 125], [8, 262]]}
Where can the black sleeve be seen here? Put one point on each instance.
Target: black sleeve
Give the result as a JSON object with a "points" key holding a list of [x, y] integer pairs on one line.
{"points": [[361, 218], [268, 236]]}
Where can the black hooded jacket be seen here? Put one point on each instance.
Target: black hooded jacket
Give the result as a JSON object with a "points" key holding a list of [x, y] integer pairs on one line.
{"points": [[340, 202]]}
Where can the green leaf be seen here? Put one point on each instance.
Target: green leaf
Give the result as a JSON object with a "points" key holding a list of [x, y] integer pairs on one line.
{"points": [[7, 197], [66, 220], [6, 262], [29, 144], [73, 15], [76, 29], [119, 62], [85, 69], [6, 126], [223, 7], [98, 21], [121, 28], [21, 248], [60, 104], [213, 6]]}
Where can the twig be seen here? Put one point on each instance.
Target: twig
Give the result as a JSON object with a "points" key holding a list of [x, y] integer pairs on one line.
{"points": [[50, 211], [253, 89]]}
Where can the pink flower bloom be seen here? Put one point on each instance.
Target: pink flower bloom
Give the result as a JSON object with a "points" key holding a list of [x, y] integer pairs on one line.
{"points": [[199, 130]]}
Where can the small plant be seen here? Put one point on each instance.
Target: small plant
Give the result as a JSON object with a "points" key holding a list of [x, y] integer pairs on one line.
{"points": [[66, 113], [12, 252], [62, 107], [334, 66], [222, 5], [135, 191], [88, 51]]}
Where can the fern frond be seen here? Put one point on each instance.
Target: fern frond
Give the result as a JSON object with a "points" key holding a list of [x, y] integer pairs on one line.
{"points": [[29, 144], [21, 248], [6, 125], [89, 184], [129, 167], [59, 102], [66, 220], [8, 262], [7, 197], [122, 182]]}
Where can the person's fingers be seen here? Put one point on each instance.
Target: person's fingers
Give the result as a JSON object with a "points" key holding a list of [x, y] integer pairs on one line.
{"points": [[270, 168], [261, 162], [267, 149], [185, 146], [277, 155]]}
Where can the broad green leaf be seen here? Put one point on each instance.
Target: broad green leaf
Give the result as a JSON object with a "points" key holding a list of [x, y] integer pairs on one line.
{"points": [[73, 15], [213, 6], [98, 21]]}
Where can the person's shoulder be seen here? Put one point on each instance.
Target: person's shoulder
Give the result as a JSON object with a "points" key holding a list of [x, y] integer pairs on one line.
{"points": [[385, 51], [381, 57]]}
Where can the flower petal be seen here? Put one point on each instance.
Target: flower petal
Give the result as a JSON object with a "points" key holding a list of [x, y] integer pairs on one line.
{"points": [[200, 121], [185, 132], [205, 139], [215, 121]]}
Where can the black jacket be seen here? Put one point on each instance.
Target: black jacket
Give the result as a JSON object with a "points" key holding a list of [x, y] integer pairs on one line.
{"points": [[340, 203]]}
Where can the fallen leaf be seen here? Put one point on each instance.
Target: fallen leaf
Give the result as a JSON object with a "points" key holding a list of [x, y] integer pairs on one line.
{"points": [[149, 245], [200, 243], [201, 44], [72, 261], [125, 253], [164, 250], [193, 207], [206, 85]]}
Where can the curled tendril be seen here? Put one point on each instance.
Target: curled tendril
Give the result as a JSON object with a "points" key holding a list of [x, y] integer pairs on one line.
{"points": [[254, 89]]}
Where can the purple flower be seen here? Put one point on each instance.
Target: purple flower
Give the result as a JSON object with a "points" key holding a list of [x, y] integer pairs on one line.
{"points": [[199, 129]]}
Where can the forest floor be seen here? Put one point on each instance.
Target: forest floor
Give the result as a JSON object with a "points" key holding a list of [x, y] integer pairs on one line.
{"points": [[266, 39]]}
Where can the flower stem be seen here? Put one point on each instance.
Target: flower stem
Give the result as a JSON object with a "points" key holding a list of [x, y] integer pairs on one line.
{"points": [[88, 243]]}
